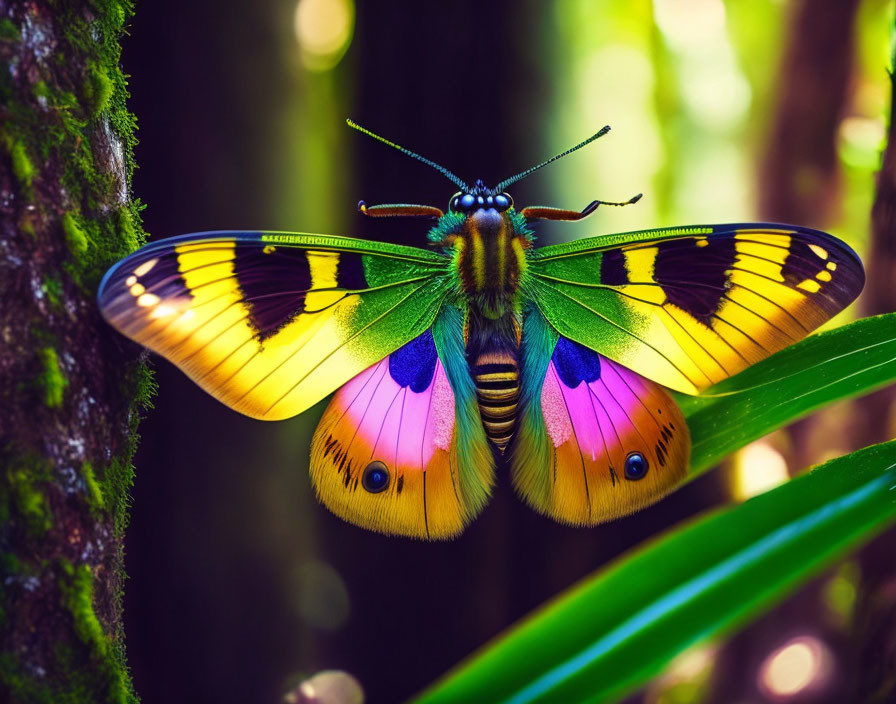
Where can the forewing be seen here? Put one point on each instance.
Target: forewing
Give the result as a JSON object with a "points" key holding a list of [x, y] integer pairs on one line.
{"points": [[689, 307], [596, 441], [400, 450], [270, 323]]}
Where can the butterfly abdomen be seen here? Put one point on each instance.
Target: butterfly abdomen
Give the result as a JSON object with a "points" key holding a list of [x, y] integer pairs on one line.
{"points": [[497, 378], [493, 347]]}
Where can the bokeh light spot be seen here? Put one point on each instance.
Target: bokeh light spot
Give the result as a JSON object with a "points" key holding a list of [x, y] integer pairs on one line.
{"points": [[795, 666], [758, 468], [324, 31]]}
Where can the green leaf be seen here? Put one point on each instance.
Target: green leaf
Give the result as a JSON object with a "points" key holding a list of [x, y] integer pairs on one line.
{"points": [[845, 362], [621, 626]]}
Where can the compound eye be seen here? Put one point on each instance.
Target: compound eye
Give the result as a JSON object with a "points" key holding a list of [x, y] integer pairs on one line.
{"points": [[503, 201], [467, 202], [635, 466], [375, 478]]}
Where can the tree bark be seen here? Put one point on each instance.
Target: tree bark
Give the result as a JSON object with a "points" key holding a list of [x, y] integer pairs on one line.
{"points": [[71, 391]]}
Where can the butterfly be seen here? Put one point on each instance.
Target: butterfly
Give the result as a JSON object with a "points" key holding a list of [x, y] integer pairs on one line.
{"points": [[480, 351]]}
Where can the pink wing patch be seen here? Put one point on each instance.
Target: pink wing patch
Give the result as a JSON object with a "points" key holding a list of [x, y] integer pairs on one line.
{"points": [[401, 427], [384, 455], [615, 440]]}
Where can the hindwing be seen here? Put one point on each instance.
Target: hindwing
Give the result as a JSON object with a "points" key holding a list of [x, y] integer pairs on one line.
{"points": [[596, 441], [400, 448]]}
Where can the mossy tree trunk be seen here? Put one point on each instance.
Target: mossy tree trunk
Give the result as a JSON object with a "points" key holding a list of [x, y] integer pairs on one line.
{"points": [[71, 391]]}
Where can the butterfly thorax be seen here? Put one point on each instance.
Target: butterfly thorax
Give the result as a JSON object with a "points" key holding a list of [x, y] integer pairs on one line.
{"points": [[489, 257]]}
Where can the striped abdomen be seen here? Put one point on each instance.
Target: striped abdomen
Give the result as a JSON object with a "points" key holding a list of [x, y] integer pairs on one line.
{"points": [[497, 378]]}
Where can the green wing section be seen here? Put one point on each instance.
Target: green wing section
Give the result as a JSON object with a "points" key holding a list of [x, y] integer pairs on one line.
{"points": [[689, 307], [270, 323]]}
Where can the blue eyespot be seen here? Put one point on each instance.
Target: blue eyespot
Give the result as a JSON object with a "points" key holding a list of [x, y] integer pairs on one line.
{"points": [[375, 478], [489, 200], [480, 200], [635, 466], [467, 202], [502, 202]]}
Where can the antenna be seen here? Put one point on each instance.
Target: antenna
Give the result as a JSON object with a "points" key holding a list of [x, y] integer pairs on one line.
{"points": [[513, 179], [441, 169]]}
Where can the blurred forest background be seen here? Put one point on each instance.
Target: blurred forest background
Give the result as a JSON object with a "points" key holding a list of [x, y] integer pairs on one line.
{"points": [[240, 583]]}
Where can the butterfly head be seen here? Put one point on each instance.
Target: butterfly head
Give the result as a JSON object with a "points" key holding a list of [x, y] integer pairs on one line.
{"points": [[480, 197]]}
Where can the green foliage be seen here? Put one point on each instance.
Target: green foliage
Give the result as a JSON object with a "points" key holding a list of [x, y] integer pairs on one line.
{"points": [[620, 626]]}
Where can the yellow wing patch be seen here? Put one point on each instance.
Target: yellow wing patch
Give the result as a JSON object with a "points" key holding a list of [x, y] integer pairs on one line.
{"points": [[267, 329], [688, 311]]}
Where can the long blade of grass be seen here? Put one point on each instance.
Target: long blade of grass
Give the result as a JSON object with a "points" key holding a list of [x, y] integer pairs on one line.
{"points": [[620, 626]]}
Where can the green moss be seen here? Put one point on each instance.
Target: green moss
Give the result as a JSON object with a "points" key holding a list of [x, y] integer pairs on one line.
{"points": [[116, 14], [52, 379], [98, 89], [20, 686], [8, 30], [22, 167], [26, 226], [76, 589], [131, 236], [25, 500], [52, 288], [94, 493], [75, 235], [42, 90], [10, 563]]}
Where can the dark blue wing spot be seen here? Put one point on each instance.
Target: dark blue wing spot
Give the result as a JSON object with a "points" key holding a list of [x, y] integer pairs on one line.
{"points": [[575, 363], [375, 478], [414, 364], [635, 466]]}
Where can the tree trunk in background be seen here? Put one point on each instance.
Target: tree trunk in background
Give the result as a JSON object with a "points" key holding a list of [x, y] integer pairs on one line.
{"points": [[799, 174], [799, 183], [875, 623], [71, 391]]}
